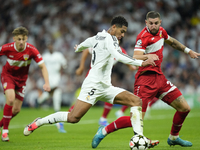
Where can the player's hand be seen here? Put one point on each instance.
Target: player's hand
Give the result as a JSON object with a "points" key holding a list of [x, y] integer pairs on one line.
{"points": [[79, 71], [193, 54], [47, 87], [133, 68], [148, 62], [153, 56], [75, 47]]}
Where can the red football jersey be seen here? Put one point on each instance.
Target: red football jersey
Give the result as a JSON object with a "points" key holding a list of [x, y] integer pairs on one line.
{"points": [[151, 44], [17, 64]]}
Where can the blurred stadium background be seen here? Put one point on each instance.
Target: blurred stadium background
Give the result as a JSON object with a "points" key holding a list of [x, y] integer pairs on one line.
{"points": [[68, 22]]}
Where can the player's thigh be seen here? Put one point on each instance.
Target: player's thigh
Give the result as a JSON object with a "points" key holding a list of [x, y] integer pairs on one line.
{"points": [[127, 98], [180, 104], [10, 96], [79, 110]]}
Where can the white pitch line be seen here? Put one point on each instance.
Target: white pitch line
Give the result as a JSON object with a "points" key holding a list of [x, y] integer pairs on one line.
{"points": [[95, 121]]}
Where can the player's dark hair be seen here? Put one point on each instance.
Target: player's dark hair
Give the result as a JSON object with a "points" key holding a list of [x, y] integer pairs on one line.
{"points": [[152, 14], [119, 21], [20, 31]]}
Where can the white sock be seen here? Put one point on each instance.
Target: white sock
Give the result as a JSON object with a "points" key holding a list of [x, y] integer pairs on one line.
{"points": [[43, 97], [53, 118], [172, 137], [136, 119], [103, 119], [5, 131], [104, 131], [57, 99]]}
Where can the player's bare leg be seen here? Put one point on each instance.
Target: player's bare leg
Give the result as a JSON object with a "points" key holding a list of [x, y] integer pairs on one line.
{"points": [[182, 107], [79, 110]]}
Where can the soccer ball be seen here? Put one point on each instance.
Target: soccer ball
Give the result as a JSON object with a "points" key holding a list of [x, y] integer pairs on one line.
{"points": [[138, 142]]}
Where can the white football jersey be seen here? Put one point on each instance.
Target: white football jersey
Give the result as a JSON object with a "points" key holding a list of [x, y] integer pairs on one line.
{"points": [[54, 62], [105, 49]]}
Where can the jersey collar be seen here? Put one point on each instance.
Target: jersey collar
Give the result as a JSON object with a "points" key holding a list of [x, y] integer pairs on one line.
{"points": [[17, 49]]}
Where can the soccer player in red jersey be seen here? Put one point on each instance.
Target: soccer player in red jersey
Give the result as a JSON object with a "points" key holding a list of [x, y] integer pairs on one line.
{"points": [[150, 81], [15, 73]]}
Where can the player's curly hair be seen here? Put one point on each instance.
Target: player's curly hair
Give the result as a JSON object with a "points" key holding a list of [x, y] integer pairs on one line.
{"points": [[20, 31], [119, 21], [152, 14]]}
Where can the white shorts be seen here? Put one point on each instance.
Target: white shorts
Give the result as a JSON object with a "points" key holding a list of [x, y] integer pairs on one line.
{"points": [[92, 95]]}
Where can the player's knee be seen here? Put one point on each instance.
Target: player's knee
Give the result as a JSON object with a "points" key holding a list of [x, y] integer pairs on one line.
{"points": [[72, 119]]}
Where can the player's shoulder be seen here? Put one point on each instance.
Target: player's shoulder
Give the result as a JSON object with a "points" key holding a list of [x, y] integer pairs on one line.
{"points": [[30, 46], [7, 46]]}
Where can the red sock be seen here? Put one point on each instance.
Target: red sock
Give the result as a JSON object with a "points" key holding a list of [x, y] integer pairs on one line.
{"points": [[178, 120], [7, 115], [106, 110], [70, 109], [124, 108], [122, 122]]}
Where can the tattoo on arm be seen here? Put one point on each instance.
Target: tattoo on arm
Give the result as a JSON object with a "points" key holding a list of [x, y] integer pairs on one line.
{"points": [[176, 45]]}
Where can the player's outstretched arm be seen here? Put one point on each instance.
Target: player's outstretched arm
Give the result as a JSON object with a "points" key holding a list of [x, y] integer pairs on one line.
{"points": [[179, 46], [81, 67], [45, 74]]}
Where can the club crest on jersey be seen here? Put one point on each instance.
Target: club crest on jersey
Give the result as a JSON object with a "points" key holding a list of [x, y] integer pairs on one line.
{"points": [[5, 85], [160, 33], [139, 42], [88, 98], [26, 56]]}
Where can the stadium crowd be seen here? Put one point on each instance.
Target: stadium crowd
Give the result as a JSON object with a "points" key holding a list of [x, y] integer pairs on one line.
{"points": [[68, 22]]}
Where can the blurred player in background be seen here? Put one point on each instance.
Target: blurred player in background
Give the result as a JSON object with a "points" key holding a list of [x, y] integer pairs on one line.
{"points": [[55, 62], [15, 73], [97, 85], [150, 81]]}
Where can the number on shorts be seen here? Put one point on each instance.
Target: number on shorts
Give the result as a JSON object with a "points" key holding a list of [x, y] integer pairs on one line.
{"points": [[168, 82], [24, 88], [91, 92]]}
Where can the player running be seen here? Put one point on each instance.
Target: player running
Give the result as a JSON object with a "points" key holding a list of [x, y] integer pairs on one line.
{"points": [[97, 85], [15, 73]]}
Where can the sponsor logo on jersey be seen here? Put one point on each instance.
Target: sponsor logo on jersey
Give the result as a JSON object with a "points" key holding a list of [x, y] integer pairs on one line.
{"points": [[11, 56], [26, 56], [139, 42], [11, 45], [39, 56], [88, 98], [5, 85], [160, 33]]}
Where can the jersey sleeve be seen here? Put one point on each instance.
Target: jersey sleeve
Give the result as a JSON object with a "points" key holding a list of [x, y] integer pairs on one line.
{"points": [[140, 44], [63, 61], [85, 44], [165, 35], [37, 56], [2, 49], [115, 50]]}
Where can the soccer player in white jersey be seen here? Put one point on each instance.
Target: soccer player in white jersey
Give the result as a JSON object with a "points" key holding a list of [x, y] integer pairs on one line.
{"points": [[97, 85], [15, 73], [55, 61]]}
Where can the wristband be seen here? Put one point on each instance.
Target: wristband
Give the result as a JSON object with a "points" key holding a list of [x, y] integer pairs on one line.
{"points": [[186, 50]]}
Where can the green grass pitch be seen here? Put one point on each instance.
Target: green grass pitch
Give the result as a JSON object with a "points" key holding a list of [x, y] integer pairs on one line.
{"points": [[79, 136]]}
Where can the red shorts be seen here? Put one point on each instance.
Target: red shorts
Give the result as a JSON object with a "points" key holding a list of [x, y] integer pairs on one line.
{"points": [[8, 82], [150, 85]]}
